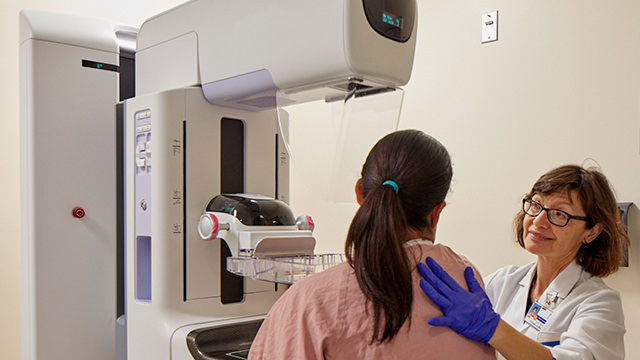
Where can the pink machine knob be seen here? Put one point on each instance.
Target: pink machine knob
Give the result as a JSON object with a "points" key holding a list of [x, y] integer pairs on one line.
{"points": [[209, 226], [305, 222]]}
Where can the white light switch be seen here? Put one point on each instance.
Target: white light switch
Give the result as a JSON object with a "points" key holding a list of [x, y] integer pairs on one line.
{"points": [[490, 26]]}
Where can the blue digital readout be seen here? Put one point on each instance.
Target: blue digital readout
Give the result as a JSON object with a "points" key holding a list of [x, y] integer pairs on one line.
{"points": [[392, 20], [100, 65]]}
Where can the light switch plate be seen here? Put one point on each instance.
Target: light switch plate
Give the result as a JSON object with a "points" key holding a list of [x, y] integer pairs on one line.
{"points": [[490, 26]]}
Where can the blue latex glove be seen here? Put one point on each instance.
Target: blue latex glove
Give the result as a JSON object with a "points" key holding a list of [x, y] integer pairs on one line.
{"points": [[469, 313]]}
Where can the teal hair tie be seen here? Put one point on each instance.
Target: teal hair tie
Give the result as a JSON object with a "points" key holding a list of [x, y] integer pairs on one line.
{"points": [[392, 184]]}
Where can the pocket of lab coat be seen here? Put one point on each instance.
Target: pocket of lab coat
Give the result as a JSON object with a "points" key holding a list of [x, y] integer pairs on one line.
{"points": [[548, 338]]}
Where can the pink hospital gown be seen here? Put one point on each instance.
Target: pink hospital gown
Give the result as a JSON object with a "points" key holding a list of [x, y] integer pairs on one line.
{"points": [[324, 316]]}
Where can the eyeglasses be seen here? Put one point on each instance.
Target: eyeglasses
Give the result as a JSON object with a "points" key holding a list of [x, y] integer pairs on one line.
{"points": [[555, 216]]}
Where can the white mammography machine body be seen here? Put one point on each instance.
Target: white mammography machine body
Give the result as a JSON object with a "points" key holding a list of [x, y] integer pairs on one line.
{"points": [[204, 131], [209, 77]]}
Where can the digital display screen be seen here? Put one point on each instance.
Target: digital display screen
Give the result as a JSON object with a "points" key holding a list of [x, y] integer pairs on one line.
{"points": [[392, 20], [99, 65]]}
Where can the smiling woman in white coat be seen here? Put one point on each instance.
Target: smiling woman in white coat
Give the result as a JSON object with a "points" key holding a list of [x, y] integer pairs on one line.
{"points": [[557, 307]]}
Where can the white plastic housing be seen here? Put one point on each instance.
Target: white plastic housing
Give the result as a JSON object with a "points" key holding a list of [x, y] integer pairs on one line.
{"points": [[255, 240], [67, 140], [256, 45], [183, 286]]}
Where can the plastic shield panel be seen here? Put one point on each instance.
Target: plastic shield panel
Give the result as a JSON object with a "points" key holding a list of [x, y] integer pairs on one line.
{"points": [[328, 140]]}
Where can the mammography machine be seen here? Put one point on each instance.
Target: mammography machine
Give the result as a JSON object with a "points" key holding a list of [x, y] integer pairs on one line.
{"points": [[207, 160], [206, 108]]}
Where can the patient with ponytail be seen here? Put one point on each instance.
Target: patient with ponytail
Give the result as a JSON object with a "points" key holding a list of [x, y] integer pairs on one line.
{"points": [[371, 307]]}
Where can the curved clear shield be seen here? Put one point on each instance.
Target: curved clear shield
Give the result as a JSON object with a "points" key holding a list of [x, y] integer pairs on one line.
{"points": [[327, 140]]}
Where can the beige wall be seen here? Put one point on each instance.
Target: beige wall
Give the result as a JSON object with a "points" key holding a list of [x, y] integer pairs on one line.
{"points": [[561, 85]]}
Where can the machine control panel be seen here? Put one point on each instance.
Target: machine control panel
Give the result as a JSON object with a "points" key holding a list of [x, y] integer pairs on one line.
{"points": [[143, 141], [142, 185]]}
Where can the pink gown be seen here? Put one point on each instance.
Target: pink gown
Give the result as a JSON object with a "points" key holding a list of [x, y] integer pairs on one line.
{"points": [[324, 317]]}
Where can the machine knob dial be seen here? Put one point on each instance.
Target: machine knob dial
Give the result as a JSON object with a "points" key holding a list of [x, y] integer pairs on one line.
{"points": [[305, 222], [209, 226]]}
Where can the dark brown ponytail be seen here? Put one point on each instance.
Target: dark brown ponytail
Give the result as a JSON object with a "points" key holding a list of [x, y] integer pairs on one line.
{"points": [[421, 168]]}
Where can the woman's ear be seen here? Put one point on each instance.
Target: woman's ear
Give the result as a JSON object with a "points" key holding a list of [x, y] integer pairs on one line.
{"points": [[359, 197], [592, 233], [434, 216]]}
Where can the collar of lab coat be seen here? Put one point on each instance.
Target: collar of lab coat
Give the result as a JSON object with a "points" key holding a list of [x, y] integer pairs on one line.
{"points": [[561, 285]]}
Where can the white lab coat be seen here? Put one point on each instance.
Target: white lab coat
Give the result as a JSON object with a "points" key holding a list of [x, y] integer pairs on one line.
{"points": [[587, 320]]}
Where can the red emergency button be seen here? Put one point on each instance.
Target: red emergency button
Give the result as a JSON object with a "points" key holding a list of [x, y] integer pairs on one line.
{"points": [[78, 212]]}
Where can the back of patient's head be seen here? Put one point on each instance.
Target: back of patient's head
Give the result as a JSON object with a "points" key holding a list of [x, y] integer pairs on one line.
{"points": [[419, 164], [421, 168]]}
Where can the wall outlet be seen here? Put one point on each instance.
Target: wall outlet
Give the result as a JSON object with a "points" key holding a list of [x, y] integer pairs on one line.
{"points": [[490, 26]]}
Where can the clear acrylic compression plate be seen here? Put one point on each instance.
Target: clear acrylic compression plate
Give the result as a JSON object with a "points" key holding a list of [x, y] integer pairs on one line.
{"points": [[327, 140], [285, 270]]}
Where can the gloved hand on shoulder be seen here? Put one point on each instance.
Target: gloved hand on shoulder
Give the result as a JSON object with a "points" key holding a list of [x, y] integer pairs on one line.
{"points": [[469, 313]]}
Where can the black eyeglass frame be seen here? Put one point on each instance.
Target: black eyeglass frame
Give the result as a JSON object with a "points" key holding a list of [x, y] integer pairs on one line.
{"points": [[587, 219]]}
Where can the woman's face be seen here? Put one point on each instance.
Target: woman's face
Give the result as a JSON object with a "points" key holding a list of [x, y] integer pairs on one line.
{"points": [[555, 243]]}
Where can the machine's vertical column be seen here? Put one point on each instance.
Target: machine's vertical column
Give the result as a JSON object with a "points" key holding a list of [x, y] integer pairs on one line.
{"points": [[69, 79]]}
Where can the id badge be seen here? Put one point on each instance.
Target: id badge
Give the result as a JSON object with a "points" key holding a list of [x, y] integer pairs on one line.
{"points": [[538, 315]]}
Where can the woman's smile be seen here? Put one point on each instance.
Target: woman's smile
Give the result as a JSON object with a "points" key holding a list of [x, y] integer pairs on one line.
{"points": [[537, 236]]}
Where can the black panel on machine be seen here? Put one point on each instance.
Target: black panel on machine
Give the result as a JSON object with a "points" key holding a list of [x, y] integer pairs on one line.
{"points": [[251, 211], [391, 19], [231, 285]]}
